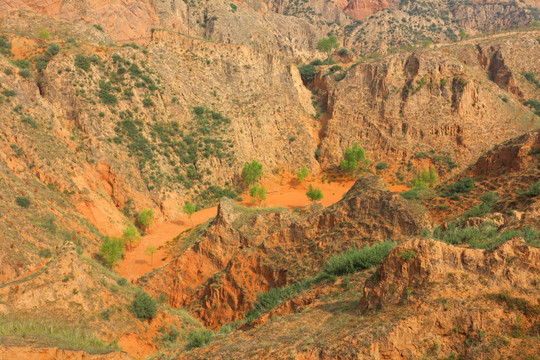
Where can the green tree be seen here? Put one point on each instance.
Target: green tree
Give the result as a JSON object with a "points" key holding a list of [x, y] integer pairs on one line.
{"points": [[111, 250], [328, 45], [146, 218], [426, 178], [354, 158], [258, 193], [314, 194], [131, 235], [308, 72], [252, 172], [150, 251], [189, 210], [302, 174]]}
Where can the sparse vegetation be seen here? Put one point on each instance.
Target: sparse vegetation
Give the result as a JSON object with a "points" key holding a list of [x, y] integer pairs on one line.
{"points": [[189, 210], [23, 201]]}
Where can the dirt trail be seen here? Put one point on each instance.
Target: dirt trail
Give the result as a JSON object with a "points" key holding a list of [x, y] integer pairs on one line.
{"points": [[288, 193]]}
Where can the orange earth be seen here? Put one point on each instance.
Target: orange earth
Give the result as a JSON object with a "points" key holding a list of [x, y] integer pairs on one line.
{"points": [[286, 193]]}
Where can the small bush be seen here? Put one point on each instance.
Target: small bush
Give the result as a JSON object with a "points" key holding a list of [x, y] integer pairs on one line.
{"points": [[316, 62], [146, 218], [23, 201], [45, 34], [98, 27], [144, 306], [314, 194], [121, 281], [198, 338], [53, 49], [25, 73], [381, 166]]}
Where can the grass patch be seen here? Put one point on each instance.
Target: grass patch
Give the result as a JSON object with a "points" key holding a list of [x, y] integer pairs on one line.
{"points": [[485, 236], [54, 333]]}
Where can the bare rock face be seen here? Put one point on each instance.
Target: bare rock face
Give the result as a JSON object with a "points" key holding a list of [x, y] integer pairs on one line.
{"points": [[513, 156], [241, 255], [418, 262], [361, 9], [420, 103]]}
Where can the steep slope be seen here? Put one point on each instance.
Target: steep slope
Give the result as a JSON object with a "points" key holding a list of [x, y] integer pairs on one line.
{"points": [[431, 101]]}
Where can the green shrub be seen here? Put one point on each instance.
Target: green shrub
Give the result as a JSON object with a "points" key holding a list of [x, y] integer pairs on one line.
{"points": [[201, 337], [302, 174], [121, 281], [314, 194], [234, 7], [461, 186], [144, 306], [358, 259], [308, 72], [381, 166], [9, 93], [258, 193], [98, 27], [53, 49], [485, 236], [44, 34], [23, 201], [146, 218], [5, 46], [316, 62], [25, 73]]}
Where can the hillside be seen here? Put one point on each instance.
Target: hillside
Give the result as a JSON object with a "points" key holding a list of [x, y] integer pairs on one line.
{"points": [[126, 128]]}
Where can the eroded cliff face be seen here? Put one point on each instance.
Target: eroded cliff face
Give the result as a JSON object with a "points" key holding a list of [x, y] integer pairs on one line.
{"points": [[241, 255], [439, 102]]}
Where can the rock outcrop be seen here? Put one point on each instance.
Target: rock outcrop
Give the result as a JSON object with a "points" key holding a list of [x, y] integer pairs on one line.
{"points": [[243, 254]]}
